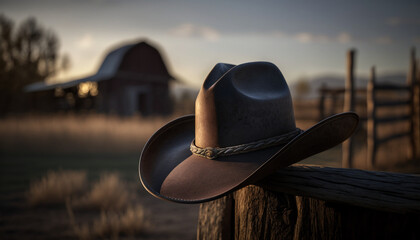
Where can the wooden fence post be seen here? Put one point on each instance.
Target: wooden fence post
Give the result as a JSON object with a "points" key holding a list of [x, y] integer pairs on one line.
{"points": [[417, 104], [310, 202], [349, 106], [411, 82], [215, 219], [371, 120], [321, 106], [334, 98]]}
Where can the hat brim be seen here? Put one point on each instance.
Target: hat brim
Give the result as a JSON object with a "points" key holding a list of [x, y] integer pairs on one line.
{"points": [[169, 171]]}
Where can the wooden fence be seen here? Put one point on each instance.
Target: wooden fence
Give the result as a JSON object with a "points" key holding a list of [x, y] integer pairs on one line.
{"points": [[309, 202], [371, 103]]}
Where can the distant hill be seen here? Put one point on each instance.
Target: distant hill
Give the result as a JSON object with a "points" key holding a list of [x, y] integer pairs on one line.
{"points": [[339, 81]]}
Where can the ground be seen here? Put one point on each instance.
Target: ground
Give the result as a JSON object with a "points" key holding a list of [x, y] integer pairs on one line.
{"points": [[20, 221], [32, 147]]}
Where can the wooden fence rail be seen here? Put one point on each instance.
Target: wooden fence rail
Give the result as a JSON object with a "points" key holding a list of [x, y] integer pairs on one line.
{"points": [[349, 93], [311, 202], [336, 94], [373, 104]]}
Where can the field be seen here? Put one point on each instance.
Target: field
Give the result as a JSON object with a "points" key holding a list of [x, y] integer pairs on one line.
{"points": [[76, 177], [37, 154]]}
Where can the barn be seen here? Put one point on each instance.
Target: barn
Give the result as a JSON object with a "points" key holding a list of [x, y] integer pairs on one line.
{"points": [[133, 78]]}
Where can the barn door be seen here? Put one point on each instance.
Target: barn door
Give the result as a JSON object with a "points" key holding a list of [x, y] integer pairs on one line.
{"points": [[138, 99], [143, 103]]}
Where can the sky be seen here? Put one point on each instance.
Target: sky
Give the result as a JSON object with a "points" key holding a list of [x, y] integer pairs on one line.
{"points": [[305, 39]]}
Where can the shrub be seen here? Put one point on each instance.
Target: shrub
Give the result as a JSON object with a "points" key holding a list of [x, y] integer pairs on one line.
{"points": [[109, 193], [56, 187], [111, 224]]}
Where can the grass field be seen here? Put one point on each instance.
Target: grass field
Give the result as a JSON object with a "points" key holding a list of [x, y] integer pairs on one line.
{"points": [[76, 177], [105, 149]]}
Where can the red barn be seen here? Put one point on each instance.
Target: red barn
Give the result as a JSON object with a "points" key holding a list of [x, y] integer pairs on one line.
{"points": [[131, 79]]}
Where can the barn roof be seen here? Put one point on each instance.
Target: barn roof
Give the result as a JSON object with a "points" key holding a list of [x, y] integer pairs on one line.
{"points": [[110, 67]]}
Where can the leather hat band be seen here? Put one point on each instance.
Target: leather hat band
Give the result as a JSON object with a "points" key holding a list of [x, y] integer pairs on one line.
{"points": [[212, 153]]}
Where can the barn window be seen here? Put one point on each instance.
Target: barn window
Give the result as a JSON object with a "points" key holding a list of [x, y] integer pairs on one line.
{"points": [[86, 89]]}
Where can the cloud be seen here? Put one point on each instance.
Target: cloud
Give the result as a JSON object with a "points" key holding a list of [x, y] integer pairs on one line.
{"points": [[398, 21], [384, 40], [209, 33], [86, 41], [343, 37], [190, 30], [307, 37], [183, 30]]}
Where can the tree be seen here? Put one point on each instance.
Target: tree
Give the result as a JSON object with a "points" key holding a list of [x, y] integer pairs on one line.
{"points": [[28, 54]]}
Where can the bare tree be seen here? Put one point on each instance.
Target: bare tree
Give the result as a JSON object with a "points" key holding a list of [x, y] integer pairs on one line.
{"points": [[28, 54]]}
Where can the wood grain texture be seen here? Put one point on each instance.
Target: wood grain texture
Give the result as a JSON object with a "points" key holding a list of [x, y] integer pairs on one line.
{"points": [[371, 123], [215, 219], [316, 220], [384, 191], [411, 82], [349, 105], [263, 214]]}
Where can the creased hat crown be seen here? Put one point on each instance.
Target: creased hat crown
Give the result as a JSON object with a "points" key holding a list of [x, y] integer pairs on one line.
{"points": [[241, 104]]}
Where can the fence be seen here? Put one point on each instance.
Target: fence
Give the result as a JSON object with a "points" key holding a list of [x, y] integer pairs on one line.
{"points": [[308, 202], [371, 103]]}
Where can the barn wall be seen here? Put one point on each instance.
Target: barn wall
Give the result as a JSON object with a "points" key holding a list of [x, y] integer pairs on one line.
{"points": [[127, 97]]}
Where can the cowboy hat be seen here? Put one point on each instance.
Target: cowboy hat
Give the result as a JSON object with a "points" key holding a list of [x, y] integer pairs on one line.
{"points": [[242, 131]]}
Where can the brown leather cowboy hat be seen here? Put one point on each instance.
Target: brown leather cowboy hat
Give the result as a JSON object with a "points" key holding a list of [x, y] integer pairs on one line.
{"points": [[243, 130]]}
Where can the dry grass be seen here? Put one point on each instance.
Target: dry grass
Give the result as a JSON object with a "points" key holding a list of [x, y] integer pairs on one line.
{"points": [[388, 154], [109, 193], [111, 224], [76, 133], [109, 197], [56, 187], [117, 217]]}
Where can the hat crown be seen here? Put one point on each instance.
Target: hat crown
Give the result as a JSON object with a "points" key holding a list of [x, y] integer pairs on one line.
{"points": [[242, 104]]}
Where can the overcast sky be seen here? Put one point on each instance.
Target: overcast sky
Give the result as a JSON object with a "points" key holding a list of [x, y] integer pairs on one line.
{"points": [[303, 38]]}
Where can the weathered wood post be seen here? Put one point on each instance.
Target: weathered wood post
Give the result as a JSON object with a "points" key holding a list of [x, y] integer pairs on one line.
{"points": [[321, 104], [411, 82], [334, 98], [349, 106], [417, 94], [371, 121], [310, 202], [216, 218]]}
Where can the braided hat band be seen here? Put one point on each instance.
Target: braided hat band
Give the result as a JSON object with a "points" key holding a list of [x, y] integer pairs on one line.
{"points": [[212, 153]]}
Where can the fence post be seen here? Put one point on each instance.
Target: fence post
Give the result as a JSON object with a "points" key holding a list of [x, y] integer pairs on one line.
{"points": [[417, 104], [334, 98], [215, 219], [411, 82], [349, 106], [310, 202], [321, 106], [371, 120]]}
